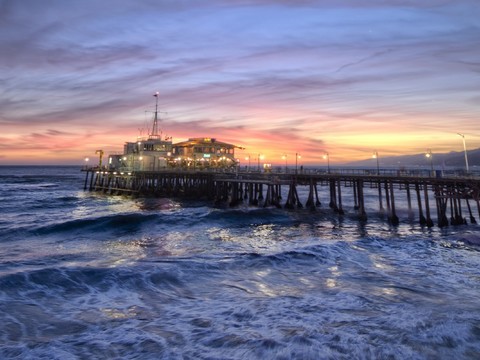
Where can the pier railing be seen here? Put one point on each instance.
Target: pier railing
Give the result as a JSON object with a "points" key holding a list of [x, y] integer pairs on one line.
{"points": [[450, 173]]}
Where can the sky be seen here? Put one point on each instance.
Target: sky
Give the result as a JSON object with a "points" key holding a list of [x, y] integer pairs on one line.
{"points": [[277, 77]]}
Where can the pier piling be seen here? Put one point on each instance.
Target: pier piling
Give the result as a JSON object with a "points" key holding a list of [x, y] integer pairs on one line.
{"points": [[236, 188]]}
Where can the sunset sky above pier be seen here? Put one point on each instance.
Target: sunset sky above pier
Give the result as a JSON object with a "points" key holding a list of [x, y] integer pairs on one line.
{"points": [[274, 76]]}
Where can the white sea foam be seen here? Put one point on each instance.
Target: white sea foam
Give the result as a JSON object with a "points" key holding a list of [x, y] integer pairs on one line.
{"points": [[102, 277]]}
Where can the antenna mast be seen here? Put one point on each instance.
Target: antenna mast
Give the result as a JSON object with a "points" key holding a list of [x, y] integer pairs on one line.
{"points": [[154, 134]]}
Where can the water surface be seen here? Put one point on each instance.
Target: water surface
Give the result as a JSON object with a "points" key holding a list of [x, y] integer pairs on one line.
{"points": [[87, 276]]}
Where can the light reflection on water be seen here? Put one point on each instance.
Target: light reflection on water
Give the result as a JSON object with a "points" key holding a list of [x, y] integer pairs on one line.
{"points": [[91, 276]]}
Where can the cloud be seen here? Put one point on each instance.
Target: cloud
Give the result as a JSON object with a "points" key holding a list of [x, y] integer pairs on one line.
{"points": [[287, 75]]}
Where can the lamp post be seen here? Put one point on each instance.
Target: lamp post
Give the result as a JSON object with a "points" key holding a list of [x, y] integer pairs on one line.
{"points": [[375, 156], [297, 156], [430, 156], [464, 150], [248, 158], [284, 157], [327, 157], [259, 157]]}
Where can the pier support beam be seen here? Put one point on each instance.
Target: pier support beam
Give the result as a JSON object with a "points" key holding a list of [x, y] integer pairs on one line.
{"points": [[387, 198], [457, 218], [429, 221], [409, 201], [355, 196], [318, 203], [310, 202], [333, 195], [421, 218], [86, 180], [292, 197], [361, 200], [380, 196], [472, 218], [392, 215], [441, 207], [339, 191]]}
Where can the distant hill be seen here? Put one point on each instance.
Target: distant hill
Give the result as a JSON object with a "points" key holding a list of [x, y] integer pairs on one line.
{"points": [[455, 159]]}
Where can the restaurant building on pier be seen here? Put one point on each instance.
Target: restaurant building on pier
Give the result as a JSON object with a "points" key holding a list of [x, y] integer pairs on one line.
{"points": [[154, 153], [203, 153]]}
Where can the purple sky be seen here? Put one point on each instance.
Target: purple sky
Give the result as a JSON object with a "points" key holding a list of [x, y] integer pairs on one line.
{"points": [[277, 77]]}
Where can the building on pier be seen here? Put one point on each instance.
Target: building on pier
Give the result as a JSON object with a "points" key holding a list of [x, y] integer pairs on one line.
{"points": [[203, 153], [146, 154]]}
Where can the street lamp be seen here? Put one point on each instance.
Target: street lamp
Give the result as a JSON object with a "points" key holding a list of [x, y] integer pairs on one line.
{"points": [[286, 165], [248, 158], [429, 155], [375, 156], [327, 157], [297, 156], [465, 150], [259, 157]]}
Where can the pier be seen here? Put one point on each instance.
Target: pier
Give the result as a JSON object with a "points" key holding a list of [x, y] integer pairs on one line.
{"points": [[453, 200]]}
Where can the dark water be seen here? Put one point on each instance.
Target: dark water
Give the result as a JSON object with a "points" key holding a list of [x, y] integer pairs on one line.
{"points": [[84, 276]]}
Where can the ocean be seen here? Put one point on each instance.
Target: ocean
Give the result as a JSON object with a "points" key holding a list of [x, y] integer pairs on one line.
{"points": [[89, 276]]}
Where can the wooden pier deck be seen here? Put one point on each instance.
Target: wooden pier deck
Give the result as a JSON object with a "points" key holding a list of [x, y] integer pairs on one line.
{"points": [[452, 196]]}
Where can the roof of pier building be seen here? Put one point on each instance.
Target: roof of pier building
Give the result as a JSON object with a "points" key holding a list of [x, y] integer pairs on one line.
{"points": [[204, 141]]}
